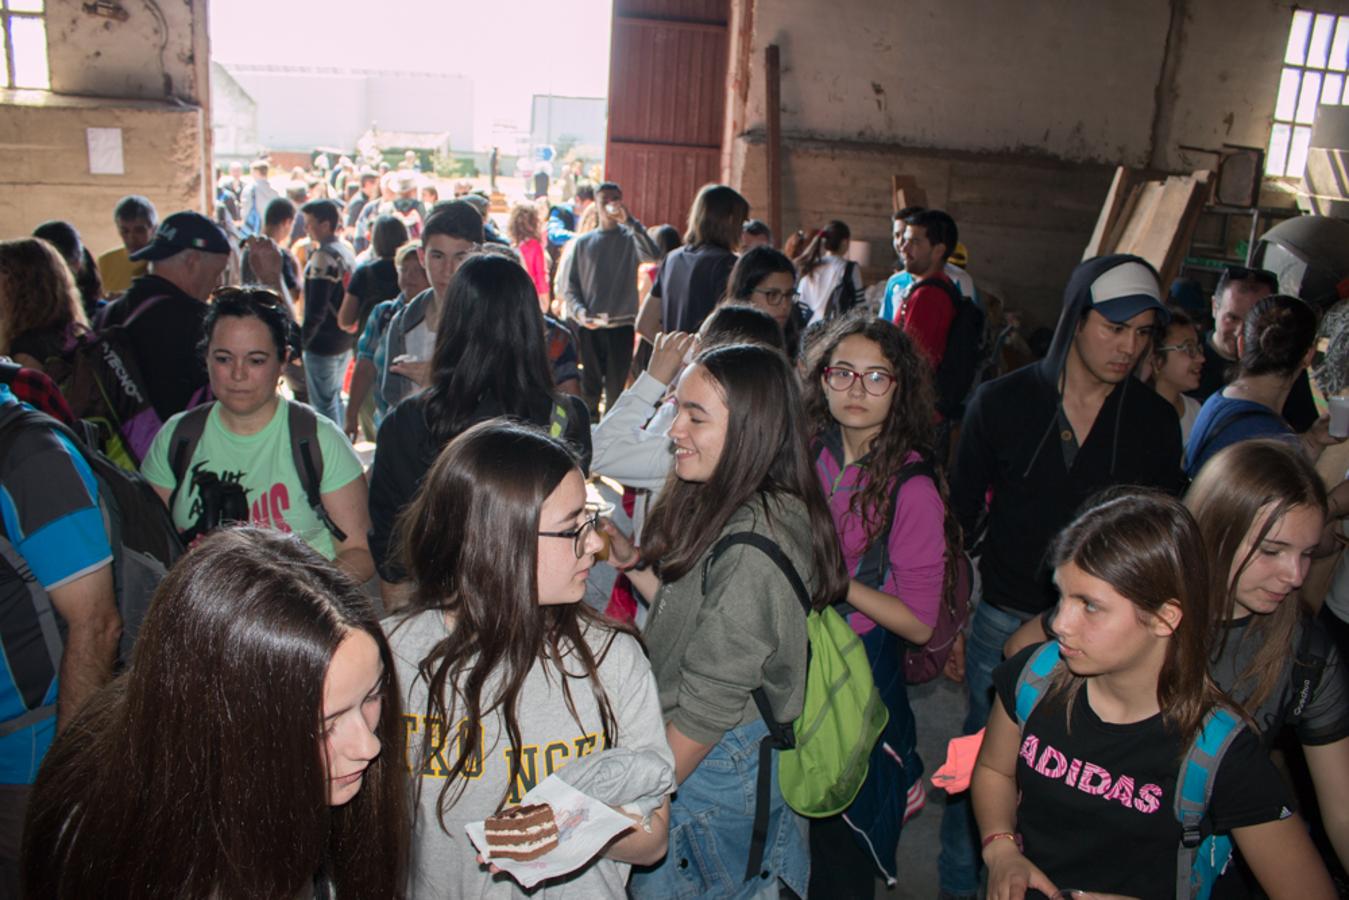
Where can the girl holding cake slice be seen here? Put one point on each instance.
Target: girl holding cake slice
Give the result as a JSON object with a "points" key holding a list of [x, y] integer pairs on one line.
{"points": [[507, 676]]}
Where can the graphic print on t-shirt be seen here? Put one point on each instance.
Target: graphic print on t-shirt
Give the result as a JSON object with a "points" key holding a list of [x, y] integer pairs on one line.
{"points": [[536, 761], [1088, 777], [266, 509]]}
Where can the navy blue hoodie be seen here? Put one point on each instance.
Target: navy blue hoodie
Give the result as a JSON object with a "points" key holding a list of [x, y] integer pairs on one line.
{"points": [[1010, 443]]}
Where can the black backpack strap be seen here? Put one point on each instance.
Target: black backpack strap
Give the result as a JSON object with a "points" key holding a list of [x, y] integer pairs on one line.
{"points": [[183, 443], [780, 735], [942, 282], [308, 458], [871, 569], [1309, 664]]}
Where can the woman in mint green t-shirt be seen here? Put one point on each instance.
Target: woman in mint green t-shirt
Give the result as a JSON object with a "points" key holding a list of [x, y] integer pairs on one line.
{"points": [[246, 441]]}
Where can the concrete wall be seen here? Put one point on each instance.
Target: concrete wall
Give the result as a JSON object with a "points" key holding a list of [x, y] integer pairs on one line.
{"points": [[1011, 115], [302, 108], [147, 75], [234, 118]]}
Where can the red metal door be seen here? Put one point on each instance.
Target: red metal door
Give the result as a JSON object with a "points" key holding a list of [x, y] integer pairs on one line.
{"points": [[667, 98]]}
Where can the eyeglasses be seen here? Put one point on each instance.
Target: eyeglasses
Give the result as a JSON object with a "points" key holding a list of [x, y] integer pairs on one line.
{"points": [[1259, 276], [874, 383], [777, 297], [1189, 348], [579, 535]]}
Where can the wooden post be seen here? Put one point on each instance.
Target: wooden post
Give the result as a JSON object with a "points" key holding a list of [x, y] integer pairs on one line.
{"points": [[773, 81]]}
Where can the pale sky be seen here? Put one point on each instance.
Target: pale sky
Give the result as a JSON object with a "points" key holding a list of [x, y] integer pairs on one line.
{"points": [[512, 49]]}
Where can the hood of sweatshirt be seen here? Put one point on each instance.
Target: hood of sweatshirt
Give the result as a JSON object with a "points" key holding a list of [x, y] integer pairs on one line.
{"points": [[1119, 286]]}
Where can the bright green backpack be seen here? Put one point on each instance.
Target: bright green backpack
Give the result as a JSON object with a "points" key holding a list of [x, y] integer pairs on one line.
{"points": [[825, 752]]}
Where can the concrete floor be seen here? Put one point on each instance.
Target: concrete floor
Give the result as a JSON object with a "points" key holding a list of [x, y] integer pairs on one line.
{"points": [[938, 706]]}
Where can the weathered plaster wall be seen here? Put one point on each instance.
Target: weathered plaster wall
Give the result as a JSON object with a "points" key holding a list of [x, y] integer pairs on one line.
{"points": [[158, 53], [44, 164], [1011, 115], [147, 75]]}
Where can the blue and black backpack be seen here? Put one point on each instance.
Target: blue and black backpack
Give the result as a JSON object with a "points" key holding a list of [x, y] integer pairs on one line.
{"points": [[1202, 855]]}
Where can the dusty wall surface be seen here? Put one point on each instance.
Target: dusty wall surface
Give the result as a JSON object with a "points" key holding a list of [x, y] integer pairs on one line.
{"points": [[147, 75], [44, 164], [1010, 115]]}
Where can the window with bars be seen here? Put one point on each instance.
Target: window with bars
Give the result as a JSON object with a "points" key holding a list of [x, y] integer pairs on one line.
{"points": [[1314, 70], [24, 51]]}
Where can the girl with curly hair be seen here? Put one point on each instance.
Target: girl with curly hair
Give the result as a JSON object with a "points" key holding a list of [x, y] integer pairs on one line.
{"points": [[523, 228], [869, 400]]}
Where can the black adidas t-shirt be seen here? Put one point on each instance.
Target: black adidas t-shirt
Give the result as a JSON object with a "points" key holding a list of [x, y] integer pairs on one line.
{"points": [[1097, 807]]}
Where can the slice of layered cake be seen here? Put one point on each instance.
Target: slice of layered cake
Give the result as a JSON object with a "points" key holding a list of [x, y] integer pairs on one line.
{"points": [[522, 832]]}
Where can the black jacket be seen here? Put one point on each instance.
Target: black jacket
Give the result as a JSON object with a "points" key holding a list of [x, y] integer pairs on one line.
{"points": [[1010, 443], [406, 448], [165, 341]]}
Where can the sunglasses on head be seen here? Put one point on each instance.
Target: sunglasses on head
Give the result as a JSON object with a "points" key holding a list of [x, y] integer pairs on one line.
{"points": [[256, 296]]}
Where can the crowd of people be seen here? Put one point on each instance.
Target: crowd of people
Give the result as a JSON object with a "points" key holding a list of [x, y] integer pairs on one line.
{"points": [[335, 672]]}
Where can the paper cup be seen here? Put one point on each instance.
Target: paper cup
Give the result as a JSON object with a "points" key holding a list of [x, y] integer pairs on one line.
{"points": [[1339, 417]]}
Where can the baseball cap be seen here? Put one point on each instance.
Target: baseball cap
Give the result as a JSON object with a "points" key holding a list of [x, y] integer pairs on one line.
{"points": [[183, 231], [1122, 292]]}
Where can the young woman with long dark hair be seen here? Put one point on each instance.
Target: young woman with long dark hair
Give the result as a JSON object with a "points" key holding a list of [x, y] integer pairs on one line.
{"points": [[1261, 509], [766, 279], [693, 278], [496, 640], [830, 283], [741, 464], [869, 400], [1081, 794], [253, 749], [490, 360]]}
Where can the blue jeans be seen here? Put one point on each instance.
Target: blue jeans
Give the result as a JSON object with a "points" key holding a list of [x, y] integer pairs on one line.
{"points": [[960, 861], [323, 377], [711, 823]]}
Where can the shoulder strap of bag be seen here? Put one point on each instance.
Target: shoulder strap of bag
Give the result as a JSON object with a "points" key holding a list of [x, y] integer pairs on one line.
{"points": [[942, 282], [1309, 664], [872, 567], [308, 459], [780, 735], [183, 443], [13, 421], [1034, 679], [1194, 790], [141, 310]]}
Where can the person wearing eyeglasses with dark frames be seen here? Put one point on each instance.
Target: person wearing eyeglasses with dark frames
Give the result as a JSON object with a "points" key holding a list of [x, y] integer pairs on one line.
{"points": [[766, 279], [1238, 290]]}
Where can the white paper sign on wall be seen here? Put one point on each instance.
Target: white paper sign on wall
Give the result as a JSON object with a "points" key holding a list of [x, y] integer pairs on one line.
{"points": [[105, 151]]}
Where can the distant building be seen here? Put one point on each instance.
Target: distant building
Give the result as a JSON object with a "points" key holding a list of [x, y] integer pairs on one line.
{"points": [[302, 107], [577, 121], [234, 118]]}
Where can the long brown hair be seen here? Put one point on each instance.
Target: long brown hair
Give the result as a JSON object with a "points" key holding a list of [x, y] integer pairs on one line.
{"points": [[717, 216], [830, 238], [200, 772], [37, 291], [907, 427], [765, 454], [1147, 547], [1245, 489], [470, 542]]}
